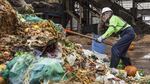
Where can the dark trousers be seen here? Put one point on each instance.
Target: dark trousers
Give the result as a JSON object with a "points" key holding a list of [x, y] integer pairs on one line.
{"points": [[120, 49]]}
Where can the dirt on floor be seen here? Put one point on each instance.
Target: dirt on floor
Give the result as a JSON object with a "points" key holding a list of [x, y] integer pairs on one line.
{"points": [[86, 43], [136, 55]]}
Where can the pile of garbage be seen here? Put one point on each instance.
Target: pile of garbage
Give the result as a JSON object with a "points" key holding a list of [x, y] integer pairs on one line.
{"points": [[71, 64], [8, 19], [61, 62], [40, 33], [22, 31]]}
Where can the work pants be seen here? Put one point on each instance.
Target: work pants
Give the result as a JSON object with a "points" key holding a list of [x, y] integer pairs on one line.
{"points": [[119, 50]]}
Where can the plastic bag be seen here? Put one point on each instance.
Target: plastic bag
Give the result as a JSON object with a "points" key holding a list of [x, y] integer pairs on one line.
{"points": [[32, 18], [17, 68], [46, 69]]}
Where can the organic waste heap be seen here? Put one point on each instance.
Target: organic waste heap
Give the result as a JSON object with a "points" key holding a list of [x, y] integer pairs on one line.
{"points": [[8, 19], [63, 62], [23, 31]]}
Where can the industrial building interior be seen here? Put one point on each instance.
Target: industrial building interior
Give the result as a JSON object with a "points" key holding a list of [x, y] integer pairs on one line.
{"points": [[51, 42], [82, 13]]}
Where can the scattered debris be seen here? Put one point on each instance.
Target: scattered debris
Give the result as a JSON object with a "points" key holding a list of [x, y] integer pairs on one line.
{"points": [[63, 63], [146, 57]]}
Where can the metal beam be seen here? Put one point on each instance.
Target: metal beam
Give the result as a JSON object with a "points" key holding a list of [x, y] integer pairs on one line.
{"points": [[72, 15], [142, 1], [138, 1], [144, 11]]}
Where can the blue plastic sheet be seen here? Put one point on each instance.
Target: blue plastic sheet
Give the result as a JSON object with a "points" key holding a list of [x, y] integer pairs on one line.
{"points": [[32, 18], [98, 47]]}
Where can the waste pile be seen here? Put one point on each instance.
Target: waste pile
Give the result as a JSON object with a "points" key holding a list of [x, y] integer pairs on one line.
{"points": [[23, 60], [24, 31], [72, 64], [8, 19], [40, 33]]}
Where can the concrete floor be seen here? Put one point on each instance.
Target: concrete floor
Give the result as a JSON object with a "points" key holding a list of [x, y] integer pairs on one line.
{"points": [[137, 57]]}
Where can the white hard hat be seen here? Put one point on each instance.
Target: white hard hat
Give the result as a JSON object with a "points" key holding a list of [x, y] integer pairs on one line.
{"points": [[105, 9]]}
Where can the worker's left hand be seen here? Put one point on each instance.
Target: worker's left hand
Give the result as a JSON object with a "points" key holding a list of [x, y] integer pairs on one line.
{"points": [[100, 39]]}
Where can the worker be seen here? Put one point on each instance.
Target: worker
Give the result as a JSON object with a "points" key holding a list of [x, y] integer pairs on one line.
{"points": [[118, 26]]}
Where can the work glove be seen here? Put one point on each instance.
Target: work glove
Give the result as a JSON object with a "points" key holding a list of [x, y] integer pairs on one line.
{"points": [[100, 39]]}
